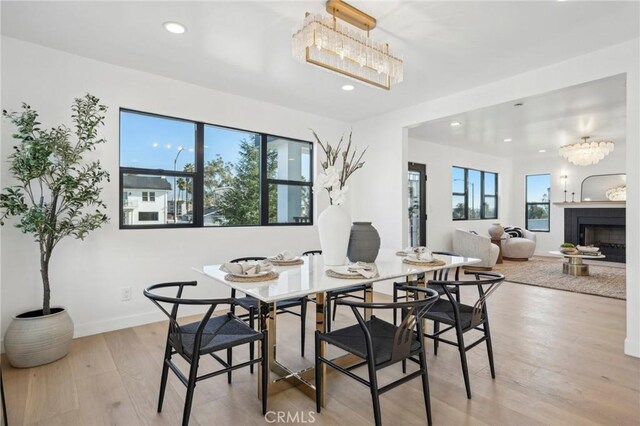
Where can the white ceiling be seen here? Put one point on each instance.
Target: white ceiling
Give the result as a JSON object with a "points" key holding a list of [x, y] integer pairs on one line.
{"points": [[245, 47], [547, 121]]}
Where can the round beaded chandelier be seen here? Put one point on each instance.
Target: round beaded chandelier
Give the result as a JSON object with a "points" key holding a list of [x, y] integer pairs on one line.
{"points": [[586, 153]]}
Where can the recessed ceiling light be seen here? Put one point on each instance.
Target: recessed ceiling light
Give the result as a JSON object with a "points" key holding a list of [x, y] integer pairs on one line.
{"points": [[174, 27], [508, 139], [348, 87], [542, 151], [455, 123]]}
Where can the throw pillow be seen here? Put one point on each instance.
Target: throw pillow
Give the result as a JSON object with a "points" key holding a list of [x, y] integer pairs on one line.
{"points": [[514, 231]]}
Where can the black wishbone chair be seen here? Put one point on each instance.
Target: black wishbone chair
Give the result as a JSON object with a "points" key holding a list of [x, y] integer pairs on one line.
{"points": [[250, 304], [463, 318], [381, 344], [204, 337], [440, 275]]}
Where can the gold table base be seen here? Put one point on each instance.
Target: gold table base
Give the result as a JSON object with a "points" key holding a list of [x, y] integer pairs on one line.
{"points": [[574, 266]]}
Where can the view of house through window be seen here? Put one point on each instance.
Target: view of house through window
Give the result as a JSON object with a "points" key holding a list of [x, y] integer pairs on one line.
{"points": [[538, 202], [246, 178], [474, 194]]}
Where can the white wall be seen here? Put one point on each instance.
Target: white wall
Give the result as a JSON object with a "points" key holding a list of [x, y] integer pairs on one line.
{"points": [[556, 166], [386, 134], [87, 276], [439, 159]]}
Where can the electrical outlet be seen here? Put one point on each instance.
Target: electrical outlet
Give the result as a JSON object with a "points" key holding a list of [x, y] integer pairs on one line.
{"points": [[125, 294]]}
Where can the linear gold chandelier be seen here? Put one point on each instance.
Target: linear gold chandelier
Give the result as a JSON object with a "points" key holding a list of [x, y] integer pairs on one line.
{"points": [[347, 49]]}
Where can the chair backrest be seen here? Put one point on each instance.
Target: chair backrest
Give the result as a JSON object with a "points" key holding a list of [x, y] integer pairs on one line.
{"points": [[486, 282], [175, 332], [443, 274], [247, 259], [412, 312], [312, 252]]}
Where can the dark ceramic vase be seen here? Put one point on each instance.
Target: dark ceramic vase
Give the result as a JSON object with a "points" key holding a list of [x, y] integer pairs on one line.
{"points": [[364, 243]]}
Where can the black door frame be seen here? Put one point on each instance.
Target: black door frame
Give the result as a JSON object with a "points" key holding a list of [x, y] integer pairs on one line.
{"points": [[422, 170]]}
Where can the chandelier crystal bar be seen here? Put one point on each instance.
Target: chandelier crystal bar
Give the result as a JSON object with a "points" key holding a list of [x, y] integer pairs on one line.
{"points": [[586, 153], [329, 44]]}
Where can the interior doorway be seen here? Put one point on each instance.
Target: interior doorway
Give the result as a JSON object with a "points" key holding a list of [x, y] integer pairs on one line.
{"points": [[417, 213]]}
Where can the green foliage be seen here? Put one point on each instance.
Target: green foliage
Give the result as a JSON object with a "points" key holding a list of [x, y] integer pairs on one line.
{"points": [[57, 193], [537, 212], [240, 204]]}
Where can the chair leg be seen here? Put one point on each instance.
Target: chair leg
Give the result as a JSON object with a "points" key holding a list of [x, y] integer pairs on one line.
{"points": [[265, 372], [229, 359], [375, 396], [303, 323], [252, 314], [163, 378], [327, 314], [193, 373], [335, 308], [425, 386], [317, 365], [436, 339], [463, 361], [395, 300], [487, 333]]}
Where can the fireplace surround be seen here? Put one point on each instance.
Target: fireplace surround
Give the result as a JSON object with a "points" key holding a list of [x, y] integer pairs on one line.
{"points": [[601, 227]]}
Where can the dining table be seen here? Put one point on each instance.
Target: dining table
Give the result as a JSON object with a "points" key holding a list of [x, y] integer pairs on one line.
{"points": [[310, 278]]}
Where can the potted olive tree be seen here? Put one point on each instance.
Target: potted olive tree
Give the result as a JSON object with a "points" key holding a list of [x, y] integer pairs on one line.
{"points": [[56, 195]]}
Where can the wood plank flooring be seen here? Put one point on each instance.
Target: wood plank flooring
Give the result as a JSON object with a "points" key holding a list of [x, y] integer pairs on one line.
{"points": [[558, 355]]}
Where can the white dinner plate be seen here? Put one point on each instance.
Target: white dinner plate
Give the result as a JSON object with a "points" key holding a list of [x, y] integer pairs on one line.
{"points": [[259, 274], [294, 259], [413, 259]]}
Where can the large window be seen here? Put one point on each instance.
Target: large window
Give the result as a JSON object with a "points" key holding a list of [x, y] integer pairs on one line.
{"points": [[180, 173], [474, 194], [538, 202]]}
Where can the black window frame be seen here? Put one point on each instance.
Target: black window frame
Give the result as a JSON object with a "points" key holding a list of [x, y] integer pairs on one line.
{"points": [[495, 196], [198, 177], [537, 203]]}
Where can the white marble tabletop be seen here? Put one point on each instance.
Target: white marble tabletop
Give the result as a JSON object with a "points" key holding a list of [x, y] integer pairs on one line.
{"points": [[310, 277]]}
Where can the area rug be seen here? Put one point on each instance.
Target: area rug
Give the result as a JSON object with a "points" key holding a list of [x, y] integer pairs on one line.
{"points": [[604, 281]]}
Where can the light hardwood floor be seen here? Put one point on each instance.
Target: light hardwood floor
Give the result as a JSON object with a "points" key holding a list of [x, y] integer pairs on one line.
{"points": [[558, 355]]}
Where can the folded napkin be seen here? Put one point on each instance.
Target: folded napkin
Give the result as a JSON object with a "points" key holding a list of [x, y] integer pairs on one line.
{"points": [[246, 268], [421, 254], [283, 256], [367, 270]]}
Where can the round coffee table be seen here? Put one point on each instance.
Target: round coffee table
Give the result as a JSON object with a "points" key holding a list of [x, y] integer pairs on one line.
{"points": [[573, 265]]}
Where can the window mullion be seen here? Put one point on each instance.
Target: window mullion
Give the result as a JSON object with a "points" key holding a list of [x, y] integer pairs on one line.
{"points": [[264, 182], [198, 180]]}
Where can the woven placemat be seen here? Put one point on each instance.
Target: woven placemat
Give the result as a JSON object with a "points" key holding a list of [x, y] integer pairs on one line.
{"points": [[272, 275], [287, 262], [333, 274], [434, 262]]}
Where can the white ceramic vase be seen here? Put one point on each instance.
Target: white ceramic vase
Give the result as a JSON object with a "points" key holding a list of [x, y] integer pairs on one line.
{"points": [[495, 231], [334, 227]]}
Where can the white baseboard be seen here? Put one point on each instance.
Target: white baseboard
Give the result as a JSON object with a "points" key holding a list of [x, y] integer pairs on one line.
{"points": [[632, 347], [97, 327]]}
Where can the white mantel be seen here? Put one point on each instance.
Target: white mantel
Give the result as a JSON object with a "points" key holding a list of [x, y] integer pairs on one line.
{"points": [[591, 204]]}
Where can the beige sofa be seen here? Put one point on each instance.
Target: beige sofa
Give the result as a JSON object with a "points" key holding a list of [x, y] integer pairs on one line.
{"points": [[516, 248], [468, 244]]}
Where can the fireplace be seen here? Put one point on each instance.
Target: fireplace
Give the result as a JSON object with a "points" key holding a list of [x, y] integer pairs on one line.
{"points": [[601, 227]]}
